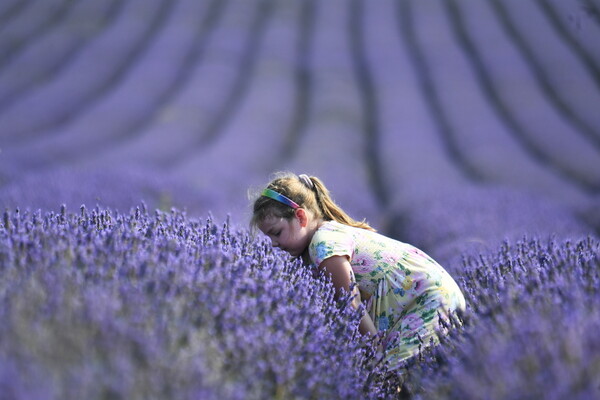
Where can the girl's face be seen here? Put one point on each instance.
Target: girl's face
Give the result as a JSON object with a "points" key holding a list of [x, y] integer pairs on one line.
{"points": [[290, 235]]}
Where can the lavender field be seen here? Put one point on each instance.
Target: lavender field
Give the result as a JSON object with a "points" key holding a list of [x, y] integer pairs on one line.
{"points": [[132, 130]]}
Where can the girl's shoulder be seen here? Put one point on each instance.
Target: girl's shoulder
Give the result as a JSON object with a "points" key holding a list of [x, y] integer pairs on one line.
{"points": [[331, 239], [333, 226], [331, 229]]}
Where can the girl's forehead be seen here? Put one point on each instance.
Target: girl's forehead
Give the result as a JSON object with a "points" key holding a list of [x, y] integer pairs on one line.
{"points": [[269, 222]]}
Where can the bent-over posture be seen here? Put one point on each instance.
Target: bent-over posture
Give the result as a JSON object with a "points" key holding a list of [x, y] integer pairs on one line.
{"points": [[406, 290]]}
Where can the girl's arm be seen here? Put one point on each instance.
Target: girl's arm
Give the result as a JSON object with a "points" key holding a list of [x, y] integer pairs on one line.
{"points": [[340, 271], [366, 326]]}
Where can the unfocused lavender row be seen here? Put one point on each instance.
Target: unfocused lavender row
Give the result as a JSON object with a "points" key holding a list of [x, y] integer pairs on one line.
{"points": [[115, 188], [531, 331], [99, 304], [452, 222], [408, 91]]}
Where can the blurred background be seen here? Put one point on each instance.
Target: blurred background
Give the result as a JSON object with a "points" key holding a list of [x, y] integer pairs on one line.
{"points": [[448, 123]]}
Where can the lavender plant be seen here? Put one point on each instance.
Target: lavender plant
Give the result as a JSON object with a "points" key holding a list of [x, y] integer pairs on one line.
{"points": [[100, 304], [530, 331]]}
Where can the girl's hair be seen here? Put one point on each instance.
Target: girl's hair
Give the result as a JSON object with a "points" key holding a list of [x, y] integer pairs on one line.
{"points": [[309, 193]]}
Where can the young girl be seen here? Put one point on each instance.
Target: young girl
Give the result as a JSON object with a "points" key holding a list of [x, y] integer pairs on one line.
{"points": [[405, 289]]}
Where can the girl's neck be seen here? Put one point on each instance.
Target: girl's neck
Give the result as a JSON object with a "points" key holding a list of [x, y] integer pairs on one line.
{"points": [[316, 224]]}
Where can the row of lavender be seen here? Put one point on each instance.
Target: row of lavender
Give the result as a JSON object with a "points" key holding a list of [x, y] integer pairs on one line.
{"points": [[99, 304], [530, 332]]}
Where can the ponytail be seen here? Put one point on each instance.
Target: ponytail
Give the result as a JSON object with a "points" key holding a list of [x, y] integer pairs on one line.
{"points": [[330, 210], [308, 192]]}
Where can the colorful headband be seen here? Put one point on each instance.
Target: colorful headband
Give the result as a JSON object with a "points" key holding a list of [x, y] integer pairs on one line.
{"points": [[280, 198]]}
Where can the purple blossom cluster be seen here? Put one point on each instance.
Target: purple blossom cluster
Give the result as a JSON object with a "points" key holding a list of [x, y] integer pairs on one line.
{"points": [[101, 304], [530, 330]]}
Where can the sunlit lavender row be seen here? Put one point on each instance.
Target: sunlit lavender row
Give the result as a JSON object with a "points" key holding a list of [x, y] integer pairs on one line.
{"points": [[532, 329], [97, 304]]}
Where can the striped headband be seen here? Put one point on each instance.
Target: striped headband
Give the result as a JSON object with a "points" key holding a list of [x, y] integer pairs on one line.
{"points": [[280, 198]]}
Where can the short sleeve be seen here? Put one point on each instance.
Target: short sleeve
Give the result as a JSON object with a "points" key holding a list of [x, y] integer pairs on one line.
{"points": [[328, 243]]}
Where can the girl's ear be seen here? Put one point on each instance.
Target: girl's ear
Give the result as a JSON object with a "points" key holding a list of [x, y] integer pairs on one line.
{"points": [[302, 217]]}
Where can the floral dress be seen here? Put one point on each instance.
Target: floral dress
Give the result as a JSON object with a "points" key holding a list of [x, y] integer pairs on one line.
{"points": [[406, 288]]}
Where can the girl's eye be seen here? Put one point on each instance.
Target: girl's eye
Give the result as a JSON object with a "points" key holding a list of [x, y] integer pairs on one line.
{"points": [[277, 233]]}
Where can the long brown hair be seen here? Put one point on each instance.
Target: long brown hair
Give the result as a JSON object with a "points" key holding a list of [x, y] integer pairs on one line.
{"points": [[310, 193]]}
